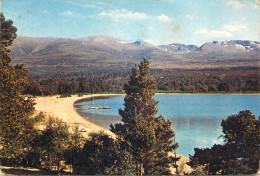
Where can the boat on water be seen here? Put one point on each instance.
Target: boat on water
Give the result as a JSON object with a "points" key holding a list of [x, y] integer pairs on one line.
{"points": [[106, 107], [93, 108], [100, 107]]}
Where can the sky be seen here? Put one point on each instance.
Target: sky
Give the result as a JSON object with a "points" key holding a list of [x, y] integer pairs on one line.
{"points": [[154, 21]]}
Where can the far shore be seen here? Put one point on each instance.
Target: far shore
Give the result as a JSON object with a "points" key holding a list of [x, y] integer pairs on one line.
{"points": [[63, 108], [211, 93]]}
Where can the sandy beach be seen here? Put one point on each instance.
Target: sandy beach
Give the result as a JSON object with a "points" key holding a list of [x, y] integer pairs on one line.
{"points": [[63, 108]]}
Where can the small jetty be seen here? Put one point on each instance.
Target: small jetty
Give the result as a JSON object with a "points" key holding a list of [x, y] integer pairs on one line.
{"points": [[106, 107], [93, 108], [100, 107]]}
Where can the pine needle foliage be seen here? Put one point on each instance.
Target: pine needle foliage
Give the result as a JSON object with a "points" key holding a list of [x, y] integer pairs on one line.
{"points": [[54, 141], [240, 152], [15, 109], [147, 137]]}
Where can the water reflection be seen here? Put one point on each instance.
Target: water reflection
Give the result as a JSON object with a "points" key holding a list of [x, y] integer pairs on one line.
{"points": [[101, 120], [196, 118], [196, 132], [189, 132]]}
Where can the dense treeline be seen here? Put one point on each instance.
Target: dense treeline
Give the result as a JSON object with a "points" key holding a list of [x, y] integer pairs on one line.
{"points": [[240, 152], [233, 80], [53, 145], [148, 138], [68, 86], [141, 146], [15, 109], [143, 143]]}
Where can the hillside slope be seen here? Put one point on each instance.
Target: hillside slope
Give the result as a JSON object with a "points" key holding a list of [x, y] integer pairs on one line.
{"points": [[105, 52]]}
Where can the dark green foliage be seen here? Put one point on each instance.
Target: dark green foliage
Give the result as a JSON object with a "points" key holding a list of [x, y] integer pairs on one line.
{"points": [[15, 108], [8, 32], [239, 154], [30, 133], [243, 130], [214, 80], [169, 81], [214, 160], [97, 154], [67, 86], [224, 87], [102, 155], [146, 137], [72, 153], [27, 155], [53, 142], [34, 89], [125, 165]]}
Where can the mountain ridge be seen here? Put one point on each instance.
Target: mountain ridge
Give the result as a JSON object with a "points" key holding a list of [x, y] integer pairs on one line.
{"points": [[106, 52]]}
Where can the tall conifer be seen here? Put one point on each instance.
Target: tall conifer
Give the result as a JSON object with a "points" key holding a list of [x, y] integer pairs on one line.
{"points": [[147, 137], [14, 107], [240, 152]]}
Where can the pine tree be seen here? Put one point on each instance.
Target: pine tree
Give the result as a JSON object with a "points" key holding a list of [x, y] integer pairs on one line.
{"points": [[147, 137], [72, 153], [15, 109], [242, 134], [54, 141], [239, 154], [98, 155]]}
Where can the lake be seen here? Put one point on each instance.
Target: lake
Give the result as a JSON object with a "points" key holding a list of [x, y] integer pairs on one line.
{"points": [[196, 117]]}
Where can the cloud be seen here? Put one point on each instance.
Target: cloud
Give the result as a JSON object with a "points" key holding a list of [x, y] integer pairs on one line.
{"points": [[235, 4], [234, 28], [213, 33], [224, 31], [189, 17], [164, 18], [123, 14], [94, 5], [45, 11], [72, 14], [91, 6], [67, 13], [150, 41], [257, 1]]}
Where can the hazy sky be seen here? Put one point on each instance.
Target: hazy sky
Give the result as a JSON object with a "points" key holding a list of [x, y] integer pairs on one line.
{"points": [[156, 21]]}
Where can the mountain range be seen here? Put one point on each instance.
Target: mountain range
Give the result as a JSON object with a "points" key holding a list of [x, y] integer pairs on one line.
{"points": [[52, 54]]}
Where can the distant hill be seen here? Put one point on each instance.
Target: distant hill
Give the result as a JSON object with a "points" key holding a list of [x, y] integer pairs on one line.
{"points": [[105, 52], [178, 48]]}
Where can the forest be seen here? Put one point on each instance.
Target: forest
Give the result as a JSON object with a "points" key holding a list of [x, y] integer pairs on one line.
{"points": [[143, 143], [232, 80]]}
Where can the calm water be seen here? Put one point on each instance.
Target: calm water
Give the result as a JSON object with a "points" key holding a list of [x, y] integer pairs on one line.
{"points": [[196, 118]]}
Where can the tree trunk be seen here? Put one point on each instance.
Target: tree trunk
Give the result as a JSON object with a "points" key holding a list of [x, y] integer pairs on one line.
{"points": [[177, 172], [58, 164], [49, 166], [141, 168]]}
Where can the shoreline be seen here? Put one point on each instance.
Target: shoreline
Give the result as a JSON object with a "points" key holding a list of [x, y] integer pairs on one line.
{"points": [[68, 114], [100, 96], [187, 93], [64, 109], [207, 93]]}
